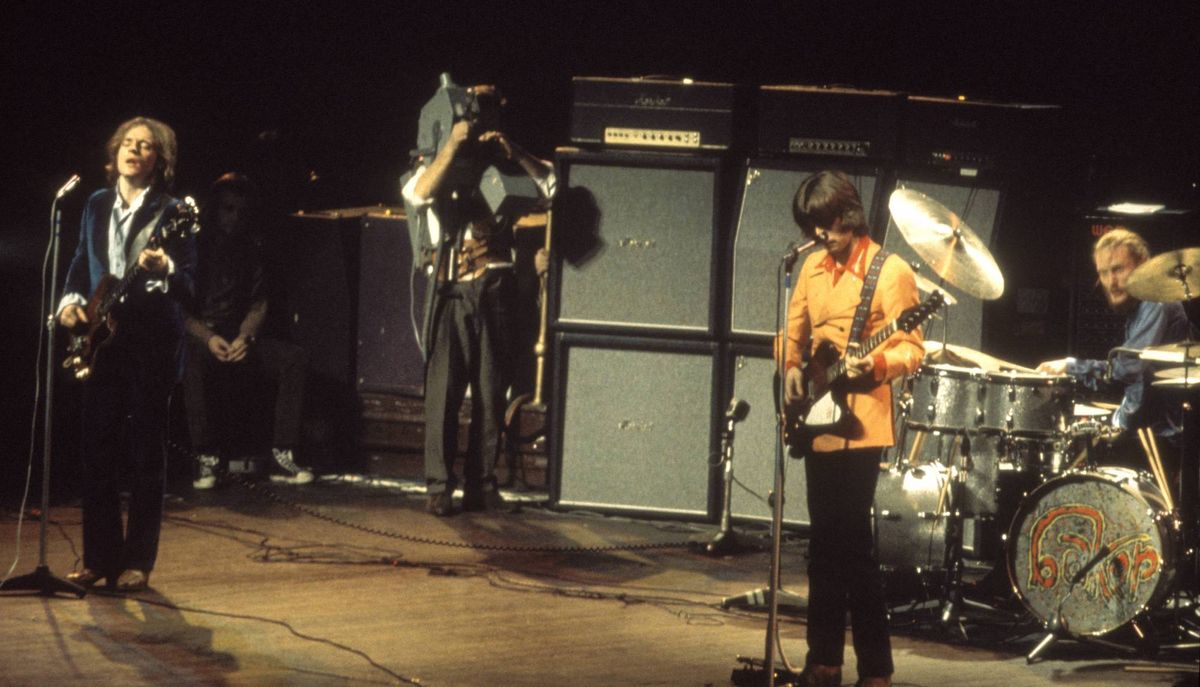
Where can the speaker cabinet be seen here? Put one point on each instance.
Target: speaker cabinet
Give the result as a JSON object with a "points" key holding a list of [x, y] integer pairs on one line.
{"points": [[391, 309], [634, 427], [752, 372], [979, 207], [638, 233], [764, 230]]}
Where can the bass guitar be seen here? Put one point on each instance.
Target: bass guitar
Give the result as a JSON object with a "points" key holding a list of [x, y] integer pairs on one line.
{"points": [[823, 409], [101, 325]]}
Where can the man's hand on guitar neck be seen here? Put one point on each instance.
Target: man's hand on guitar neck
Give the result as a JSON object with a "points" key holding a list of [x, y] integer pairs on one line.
{"points": [[154, 261], [857, 367], [72, 316]]}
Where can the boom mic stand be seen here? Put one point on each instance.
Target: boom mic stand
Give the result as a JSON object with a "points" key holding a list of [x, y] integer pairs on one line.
{"points": [[41, 580], [766, 674]]}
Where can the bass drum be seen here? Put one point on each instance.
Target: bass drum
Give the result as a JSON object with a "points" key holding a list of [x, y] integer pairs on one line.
{"points": [[1097, 545]]}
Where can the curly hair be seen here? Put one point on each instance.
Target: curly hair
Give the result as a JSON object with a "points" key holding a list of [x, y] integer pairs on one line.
{"points": [[164, 145]]}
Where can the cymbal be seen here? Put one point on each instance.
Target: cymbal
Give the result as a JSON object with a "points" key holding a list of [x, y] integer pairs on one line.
{"points": [[1188, 382], [1090, 410], [1184, 349], [951, 249], [1177, 372], [953, 354], [1167, 278], [924, 285]]}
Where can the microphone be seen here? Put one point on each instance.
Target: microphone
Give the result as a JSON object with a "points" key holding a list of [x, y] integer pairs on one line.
{"points": [[795, 250], [737, 411], [66, 188]]}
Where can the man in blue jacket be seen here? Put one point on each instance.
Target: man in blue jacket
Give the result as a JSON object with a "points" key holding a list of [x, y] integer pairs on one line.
{"points": [[139, 363]]}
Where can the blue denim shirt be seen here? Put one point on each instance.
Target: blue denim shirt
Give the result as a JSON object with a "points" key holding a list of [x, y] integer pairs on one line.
{"points": [[1150, 324]]}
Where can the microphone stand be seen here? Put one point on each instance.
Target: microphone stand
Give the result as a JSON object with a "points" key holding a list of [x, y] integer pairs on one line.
{"points": [[725, 541], [41, 580], [767, 676]]}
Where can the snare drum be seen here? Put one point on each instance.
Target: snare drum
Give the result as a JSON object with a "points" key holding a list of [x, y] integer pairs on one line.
{"points": [[948, 398], [1097, 545], [1024, 404]]}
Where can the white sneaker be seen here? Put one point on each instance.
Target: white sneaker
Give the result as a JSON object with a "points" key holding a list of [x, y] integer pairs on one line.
{"points": [[295, 474], [207, 478]]}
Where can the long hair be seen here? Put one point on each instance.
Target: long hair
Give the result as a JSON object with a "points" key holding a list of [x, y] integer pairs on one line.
{"points": [[164, 145], [825, 197]]}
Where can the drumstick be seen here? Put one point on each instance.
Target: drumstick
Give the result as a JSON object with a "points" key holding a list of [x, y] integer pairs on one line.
{"points": [[1163, 485], [1151, 448], [918, 441]]}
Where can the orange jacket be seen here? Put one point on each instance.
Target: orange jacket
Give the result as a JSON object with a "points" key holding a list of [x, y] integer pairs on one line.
{"points": [[823, 311]]}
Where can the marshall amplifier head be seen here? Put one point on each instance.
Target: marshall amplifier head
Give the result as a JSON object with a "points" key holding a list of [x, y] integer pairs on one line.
{"points": [[829, 121], [655, 113], [970, 139]]}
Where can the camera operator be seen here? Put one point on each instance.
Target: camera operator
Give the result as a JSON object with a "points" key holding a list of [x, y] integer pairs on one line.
{"points": [[470, 335]]}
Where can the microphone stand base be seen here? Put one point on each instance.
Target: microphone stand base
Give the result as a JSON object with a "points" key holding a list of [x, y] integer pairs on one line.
{"points": [[42, 581]]}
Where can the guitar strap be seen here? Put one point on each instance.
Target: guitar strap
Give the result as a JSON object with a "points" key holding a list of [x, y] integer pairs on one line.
{"points": [[870, 281]]}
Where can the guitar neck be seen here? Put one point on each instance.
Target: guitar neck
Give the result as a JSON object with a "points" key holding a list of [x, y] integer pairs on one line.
{"points": [[839, 369]]}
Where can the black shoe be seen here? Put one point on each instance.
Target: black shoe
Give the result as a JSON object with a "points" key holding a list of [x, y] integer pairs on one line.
{"points": [[487, 500], [440, 504]]}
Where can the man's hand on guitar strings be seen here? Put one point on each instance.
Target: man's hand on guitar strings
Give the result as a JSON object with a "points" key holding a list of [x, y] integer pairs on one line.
{"points": [[793, 385]]}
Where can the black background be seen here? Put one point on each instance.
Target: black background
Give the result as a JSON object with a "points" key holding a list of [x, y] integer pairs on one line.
{"points": [[288, 91]]}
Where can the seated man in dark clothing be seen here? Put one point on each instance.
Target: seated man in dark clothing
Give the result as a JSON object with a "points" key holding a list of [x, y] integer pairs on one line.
{"points": [[224, 345]]}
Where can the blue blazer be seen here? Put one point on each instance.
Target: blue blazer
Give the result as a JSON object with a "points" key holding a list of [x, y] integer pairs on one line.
{"points": [[151, 318]]}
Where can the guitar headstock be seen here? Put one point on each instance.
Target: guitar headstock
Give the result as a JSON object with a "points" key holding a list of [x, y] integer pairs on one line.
{"points": [[184, 220], [912, 318]]}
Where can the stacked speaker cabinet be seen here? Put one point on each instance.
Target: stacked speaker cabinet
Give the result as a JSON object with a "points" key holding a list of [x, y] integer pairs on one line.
{"points": [[636, 313], [391, 306], [634, 424]]}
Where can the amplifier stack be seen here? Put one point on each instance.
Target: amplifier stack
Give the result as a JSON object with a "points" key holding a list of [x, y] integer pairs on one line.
{"points": [[674, 209]]}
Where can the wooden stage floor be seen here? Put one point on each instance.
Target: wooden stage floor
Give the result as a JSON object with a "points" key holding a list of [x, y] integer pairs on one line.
{"points": [[250, 591]]}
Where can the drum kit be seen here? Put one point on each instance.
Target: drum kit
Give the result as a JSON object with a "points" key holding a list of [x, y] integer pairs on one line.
{"points": [[1001, 462]]}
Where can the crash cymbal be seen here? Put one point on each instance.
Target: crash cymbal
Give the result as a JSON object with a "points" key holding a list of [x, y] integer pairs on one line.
{"points": [[926, 286], [951, 249], [953, 354], [1167, 278]]}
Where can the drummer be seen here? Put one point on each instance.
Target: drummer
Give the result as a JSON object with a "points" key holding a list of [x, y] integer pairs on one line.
{"points": [[1116, 255]]}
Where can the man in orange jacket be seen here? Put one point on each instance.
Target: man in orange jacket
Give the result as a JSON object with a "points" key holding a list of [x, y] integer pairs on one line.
{"points": [[842, 472]]}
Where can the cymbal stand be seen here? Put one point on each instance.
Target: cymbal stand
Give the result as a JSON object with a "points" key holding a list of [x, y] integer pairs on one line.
{"points": [[952, 600]]}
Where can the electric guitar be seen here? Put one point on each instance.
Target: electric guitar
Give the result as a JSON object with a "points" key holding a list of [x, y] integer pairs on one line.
{"points": [[823, 409], [101, 324]]}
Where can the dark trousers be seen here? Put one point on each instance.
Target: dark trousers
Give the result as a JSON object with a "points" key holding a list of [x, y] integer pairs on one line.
{"points": [[124, 427], [208, 380], [472, 342], [843, 573]]}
